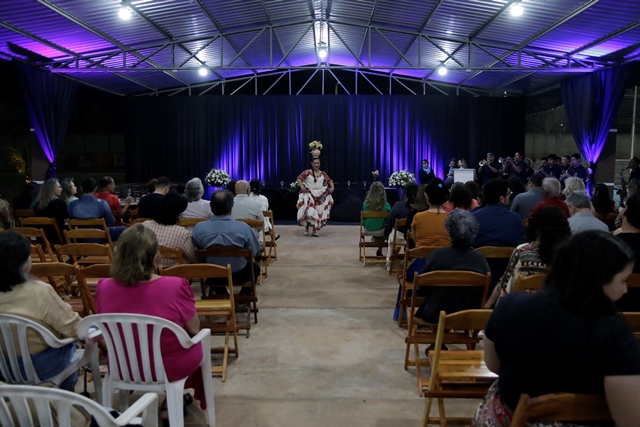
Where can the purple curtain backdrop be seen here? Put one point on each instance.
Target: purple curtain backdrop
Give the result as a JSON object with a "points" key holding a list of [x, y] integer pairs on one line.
{"points": [[591, 102], [49, 99], [267, 137]]}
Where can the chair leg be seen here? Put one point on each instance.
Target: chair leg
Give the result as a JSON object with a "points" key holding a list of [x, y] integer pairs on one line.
{"points": [[443, 416], [175, 402], [123, 400], [427, 412], [205, 370], [225, 355]]}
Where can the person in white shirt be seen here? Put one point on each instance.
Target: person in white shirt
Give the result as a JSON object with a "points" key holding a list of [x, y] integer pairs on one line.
{"points": [[255, 187], [197, 207], [246, 208]]}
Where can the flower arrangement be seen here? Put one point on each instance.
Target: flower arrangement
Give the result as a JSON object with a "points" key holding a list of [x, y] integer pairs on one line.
{"points": [[401, 178], [315, 145], [294, 187], [217, 177]]}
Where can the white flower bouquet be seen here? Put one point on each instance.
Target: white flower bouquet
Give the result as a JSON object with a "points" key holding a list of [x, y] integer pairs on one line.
{"points": [[217, 177], [401, 178], [294, 187]]}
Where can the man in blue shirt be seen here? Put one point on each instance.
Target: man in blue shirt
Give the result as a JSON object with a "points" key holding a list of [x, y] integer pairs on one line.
{"points": [[517, 167], [88, 206], [489, 169], [576, 169], [498, 226], [222, 230]]}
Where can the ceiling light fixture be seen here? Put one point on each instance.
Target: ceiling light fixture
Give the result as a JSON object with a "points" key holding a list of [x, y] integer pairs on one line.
{"points": [[322, 48], [125, 12], [203, 71], [516, 9], [442, 70]]}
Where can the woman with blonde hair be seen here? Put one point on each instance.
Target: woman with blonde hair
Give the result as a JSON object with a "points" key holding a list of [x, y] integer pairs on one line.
{"points": [[376, 201], [572, 184], [134, 279], [50, 205]]}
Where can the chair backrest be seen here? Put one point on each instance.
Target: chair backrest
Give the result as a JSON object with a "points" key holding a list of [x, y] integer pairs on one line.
{"points": [[133, 214], [139, 220], [227, 251], [87, 235], [400, 222], [171, 253], [496, 251], [13, 334], [258, 225], [561, 407], [85, 253], [51, 270], [633, 320], [633, 281], [420, 252], [201, 272], [371, 214], [41, 222], [22, 213], [529, 283], [190, 222], [88, 223], [37, 255], [42, 405], [454, 278], [133, 345], [96, 271], [36, 236]]}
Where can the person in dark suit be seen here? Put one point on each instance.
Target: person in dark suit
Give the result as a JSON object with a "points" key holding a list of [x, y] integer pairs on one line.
{"points": [[425, 175]]}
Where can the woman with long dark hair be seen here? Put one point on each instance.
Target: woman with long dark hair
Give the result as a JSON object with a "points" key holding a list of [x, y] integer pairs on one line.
{"points": [[569, 337]]}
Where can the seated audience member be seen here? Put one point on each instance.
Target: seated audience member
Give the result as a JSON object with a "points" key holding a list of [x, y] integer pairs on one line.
{"points": [[88, 206], [603, 205], [630, 234], [69, 190], [151, 185], [50, 205], [572, 184], [428, 226], [546, 229], [516, 186], [222, 230], [149, 204], [459, 198], [6, 216], [27, 197], [419, 205], [551, 188], [105, 192], [180, 189], [498, 226], [135, 288], [581, 217], [197, 207], [21, 295], [256, 187], [167, 232], [462, 228], [400, 210], [567, 337], [524, 202], [476, 192], [231, 186], [246, 208], [425, 174], [376, 201]]}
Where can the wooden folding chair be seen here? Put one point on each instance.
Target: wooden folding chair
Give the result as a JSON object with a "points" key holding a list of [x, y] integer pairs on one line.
{"points": [[42, 222], [37, 237], [248, 299], [85, 253], [82, 302], [92, 273], [213, 308], [139, 220], [172, 254], [498, 259], [363, 244], [37, 255], [561, 407], [272, 235], [633, 320], [88, 235], [460, 374], [257, 224], [22, 213], [532, 283], [396, 247], [406, 285], [78, 227], [420, 332], [133, 214], [190, 222]]}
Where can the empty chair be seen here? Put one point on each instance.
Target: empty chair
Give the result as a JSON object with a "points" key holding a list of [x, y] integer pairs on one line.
{"points": [[85, 253], [49, 225], [63, 406], [271, 235]]}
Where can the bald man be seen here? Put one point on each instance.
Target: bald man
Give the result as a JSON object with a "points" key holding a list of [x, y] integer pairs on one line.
{"points": [[245, 207]]}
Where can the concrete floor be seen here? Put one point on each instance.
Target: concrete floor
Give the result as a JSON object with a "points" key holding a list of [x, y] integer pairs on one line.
{"points": [[325, 351]]}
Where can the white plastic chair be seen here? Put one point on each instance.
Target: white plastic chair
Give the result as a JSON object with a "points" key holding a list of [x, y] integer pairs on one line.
{"points": [[119, 332], [15, 326], [50, 404]]}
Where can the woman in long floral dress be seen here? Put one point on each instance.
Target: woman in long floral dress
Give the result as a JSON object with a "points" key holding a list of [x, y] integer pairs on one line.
{"points": [[314, 200]]}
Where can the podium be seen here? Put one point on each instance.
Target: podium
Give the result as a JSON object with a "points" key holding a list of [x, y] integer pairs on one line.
{"points": [[464, 175]]}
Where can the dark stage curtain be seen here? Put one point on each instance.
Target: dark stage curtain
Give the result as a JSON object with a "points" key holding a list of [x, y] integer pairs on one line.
{"points": [[267, 137], [591, 102], [49, 99]]}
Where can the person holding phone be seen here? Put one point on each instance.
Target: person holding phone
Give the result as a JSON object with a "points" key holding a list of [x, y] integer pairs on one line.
{"points": [[106, 191]]}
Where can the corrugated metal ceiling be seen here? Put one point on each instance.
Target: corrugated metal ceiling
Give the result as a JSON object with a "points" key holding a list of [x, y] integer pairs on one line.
{"points": [[159, 50]]}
